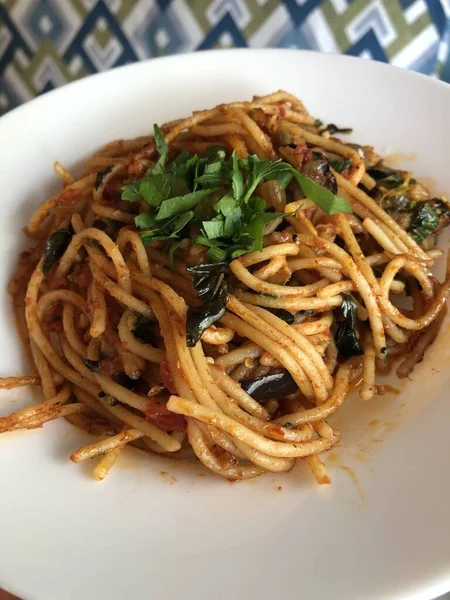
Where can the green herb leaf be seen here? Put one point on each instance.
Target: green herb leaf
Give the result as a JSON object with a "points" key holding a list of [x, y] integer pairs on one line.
{"points": [[341, 165], [161, 144], [101, 175], [216, 255], [236, 178], [130, 192], [425, 222], [256, 227], [209, 282], [154, 189], [346, 335], [264, 170], [144, 329], [207, 279], [56, 245], [213, 229], [227, 205], [323, 198], [145, 220], [180, 204], [173, 248], [181, 222], [198, 319]]}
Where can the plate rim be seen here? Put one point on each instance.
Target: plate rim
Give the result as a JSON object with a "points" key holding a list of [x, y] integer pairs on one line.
{"points": [[443, 583], [198, 55]]}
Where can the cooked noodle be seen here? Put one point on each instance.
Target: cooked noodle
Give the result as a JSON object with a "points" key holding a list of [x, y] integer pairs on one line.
{"points": [[108, 321]]}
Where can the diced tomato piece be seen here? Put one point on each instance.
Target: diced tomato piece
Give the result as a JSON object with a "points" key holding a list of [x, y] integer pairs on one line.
{"points": [[158, 413], [68, 197], [166, 377], [110, 367], [137, 168]]}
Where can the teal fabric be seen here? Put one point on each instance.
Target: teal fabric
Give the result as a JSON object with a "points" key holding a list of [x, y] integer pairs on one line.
{"points": [[45, 43]]}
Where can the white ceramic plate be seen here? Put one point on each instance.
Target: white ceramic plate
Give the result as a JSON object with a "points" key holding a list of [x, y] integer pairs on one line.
{"points": [[156, 529]]}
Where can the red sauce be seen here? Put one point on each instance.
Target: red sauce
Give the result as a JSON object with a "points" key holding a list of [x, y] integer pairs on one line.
{"points": [[158, 413], [68, 197], [166, 377]]}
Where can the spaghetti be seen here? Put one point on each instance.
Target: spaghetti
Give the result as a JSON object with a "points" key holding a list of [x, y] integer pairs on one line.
{"points": [[212, 291]]}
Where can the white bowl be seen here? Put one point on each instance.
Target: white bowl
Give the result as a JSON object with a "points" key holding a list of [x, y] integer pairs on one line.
{"points": [[155, 528]]}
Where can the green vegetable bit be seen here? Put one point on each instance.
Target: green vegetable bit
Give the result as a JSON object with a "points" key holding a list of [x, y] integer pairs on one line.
{"points": [[425, 222], [216, 195]]}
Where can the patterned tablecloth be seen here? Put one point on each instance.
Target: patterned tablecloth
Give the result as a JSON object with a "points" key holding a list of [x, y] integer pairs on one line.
{"points": [[46, 43]]}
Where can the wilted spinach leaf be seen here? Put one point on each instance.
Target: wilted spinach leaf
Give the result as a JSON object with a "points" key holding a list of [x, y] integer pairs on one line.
{"points": [[144, 330], [209, 282], [346, 335], [56, 245], [425, 222], [101, 175], [207, 279]]}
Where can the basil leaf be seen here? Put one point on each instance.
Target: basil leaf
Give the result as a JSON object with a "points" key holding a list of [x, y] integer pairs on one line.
{"points": [[180, 204], [425, 222], [56, 245], [154, 189], [100, 176], [207, 279], [323, 198], [209, 282], [198, 319], [346, 335], [144, 330]]}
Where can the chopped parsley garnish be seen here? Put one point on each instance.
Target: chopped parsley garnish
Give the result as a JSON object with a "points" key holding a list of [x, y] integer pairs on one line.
{"points": [[215, 195]]}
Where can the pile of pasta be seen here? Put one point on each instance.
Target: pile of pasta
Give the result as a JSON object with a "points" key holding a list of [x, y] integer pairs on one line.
{"points": [[104, 313]]}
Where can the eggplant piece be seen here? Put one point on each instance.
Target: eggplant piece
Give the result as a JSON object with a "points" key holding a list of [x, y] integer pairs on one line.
{"points": [[317, 168], [276, 385], [289, 318]]}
